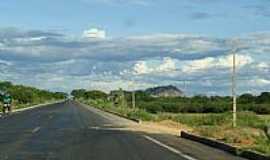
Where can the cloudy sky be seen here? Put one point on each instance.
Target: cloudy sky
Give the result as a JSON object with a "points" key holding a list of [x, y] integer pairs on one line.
{"points": [[135, 44]]}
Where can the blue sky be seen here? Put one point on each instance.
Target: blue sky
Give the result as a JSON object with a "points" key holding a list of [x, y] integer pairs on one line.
{"points": [[135, 44], [128, 17]]}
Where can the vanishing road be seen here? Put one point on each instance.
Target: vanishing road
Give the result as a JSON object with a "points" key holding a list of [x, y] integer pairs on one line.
{"points": [[70, 131]]}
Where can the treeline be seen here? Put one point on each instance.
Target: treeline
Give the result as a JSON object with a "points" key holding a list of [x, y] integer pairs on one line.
{"points": [[29, 95], [197, 104], [203, 104], [84, 94]]}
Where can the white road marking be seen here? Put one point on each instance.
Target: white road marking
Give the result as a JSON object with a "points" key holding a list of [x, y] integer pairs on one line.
{"points": [[36, 130], [96, 128], [169, 148], [108, 129], [36, 106]]}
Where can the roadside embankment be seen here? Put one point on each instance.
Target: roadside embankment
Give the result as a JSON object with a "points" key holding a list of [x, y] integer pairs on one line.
{"points": [[249, 134]]}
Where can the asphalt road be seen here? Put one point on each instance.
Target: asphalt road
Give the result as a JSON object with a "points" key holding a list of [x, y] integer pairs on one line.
{"points": [[70, 131]]}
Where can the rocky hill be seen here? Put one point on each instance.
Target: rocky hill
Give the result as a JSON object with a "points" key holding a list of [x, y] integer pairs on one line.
{"points": [[164, 91]]}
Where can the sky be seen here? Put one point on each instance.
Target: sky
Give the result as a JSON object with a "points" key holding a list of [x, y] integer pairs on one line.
{"points": [[135, 44]]}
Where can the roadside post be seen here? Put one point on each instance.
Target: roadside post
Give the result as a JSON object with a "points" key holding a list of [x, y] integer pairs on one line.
{"points": [[133, 94], [234, 89]]}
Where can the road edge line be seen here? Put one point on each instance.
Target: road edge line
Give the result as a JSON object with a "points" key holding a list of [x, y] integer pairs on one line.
{"points": [[187, 157], [36, 106]]}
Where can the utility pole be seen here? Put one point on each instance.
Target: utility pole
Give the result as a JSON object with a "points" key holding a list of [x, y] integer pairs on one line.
{"points": [[133, 94], [133, 99], [234, 89]]}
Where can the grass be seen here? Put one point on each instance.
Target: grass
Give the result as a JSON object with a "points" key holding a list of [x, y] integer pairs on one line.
{"points": [[248, 134], [129, 112]]}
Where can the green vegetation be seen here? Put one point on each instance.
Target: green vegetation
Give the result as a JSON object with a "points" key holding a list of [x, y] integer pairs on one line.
{"points": [[206, 116], [203, 104], [197, 104], [26, 96]]}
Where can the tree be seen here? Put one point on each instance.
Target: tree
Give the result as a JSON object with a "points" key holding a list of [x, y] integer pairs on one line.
{"points": [[29, 95], [95, 95], [263, 98], [246, 99], [78, 93]]}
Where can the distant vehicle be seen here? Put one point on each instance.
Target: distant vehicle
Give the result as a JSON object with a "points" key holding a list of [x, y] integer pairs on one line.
{"points": [[7, 102], [70, 97]]}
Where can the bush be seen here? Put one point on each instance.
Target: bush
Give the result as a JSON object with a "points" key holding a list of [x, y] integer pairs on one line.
{"points": [[261, 109], [203, 119], [141, 114], [151, 107]]}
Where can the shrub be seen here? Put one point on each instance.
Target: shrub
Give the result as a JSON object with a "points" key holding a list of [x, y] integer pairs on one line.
{"points": [[203, 119], [261, 109], [141, 114]]}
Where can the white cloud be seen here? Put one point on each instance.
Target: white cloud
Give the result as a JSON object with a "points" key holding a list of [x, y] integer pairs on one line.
{"points": [[166, 65], [7, 63], [259, 82], [56, 79], [141, 68], [263, 81], [202, 45], [29, 39], [94, 33], [201, 64], [179, 42], [66, 62], [263, 65], [107, 86], [241, 60], [63, 63], [219, 62]]}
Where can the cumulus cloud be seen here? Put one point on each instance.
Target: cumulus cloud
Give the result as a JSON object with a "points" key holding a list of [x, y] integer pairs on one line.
{"points": [[94, 33], [263, 65], [262, 82], [59, 62], [166, 65], [220, 62], [141, 68]]}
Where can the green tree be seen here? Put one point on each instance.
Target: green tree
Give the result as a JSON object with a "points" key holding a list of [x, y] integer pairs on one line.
{"points": [[78, 93], [95, 95], [263, 98]]}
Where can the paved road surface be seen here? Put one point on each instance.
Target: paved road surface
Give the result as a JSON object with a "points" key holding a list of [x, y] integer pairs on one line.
{"points": [[69, 131]]}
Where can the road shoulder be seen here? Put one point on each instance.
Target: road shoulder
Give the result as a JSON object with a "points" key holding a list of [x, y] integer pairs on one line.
{"points": [[167, 136]]}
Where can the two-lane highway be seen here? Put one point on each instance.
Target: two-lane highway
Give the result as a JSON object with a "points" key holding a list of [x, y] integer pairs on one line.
{"points": [[72, 131]]}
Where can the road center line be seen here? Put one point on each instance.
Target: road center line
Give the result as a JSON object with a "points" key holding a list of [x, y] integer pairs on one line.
{"points": [[36, 130], [169, 148]]}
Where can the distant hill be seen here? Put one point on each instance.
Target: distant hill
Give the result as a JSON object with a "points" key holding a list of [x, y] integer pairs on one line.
{"points": [[164, 91]]}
